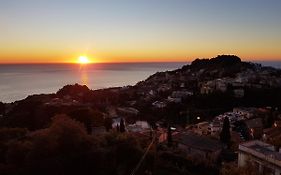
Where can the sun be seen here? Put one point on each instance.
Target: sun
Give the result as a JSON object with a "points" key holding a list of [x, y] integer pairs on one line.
{"points": [[83, 60]]}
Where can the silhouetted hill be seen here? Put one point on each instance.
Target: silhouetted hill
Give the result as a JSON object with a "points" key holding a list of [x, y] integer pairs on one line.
{"points": [[217, 67], [73, 90], [221, 60], [230, 62]]}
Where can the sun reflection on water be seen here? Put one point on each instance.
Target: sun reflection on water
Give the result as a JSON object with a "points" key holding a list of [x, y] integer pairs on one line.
{"points": [[84, 76]]}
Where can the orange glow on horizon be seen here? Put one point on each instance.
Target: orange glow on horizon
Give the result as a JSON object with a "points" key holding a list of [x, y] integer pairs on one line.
{"points": [[128, 59]]}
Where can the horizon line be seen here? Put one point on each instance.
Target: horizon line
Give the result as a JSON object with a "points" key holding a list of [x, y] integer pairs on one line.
{"points": [[129, 62], [14, 63]]}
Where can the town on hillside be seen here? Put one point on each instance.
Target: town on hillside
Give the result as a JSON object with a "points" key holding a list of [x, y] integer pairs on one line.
{"points": [[213, 116]]}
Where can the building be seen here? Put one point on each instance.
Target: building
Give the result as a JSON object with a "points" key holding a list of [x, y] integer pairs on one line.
{"points": [[201, 128], [272, 133], [127, 111], [159, 104], [245, 113], [66, 101], [239, 93], [214, 85], [139, 126], [261, 155], [195, 145], [207, 87], [215, 127], [255, 127], [164, 88], [221, 85], [178, 96], [181, 94], [174, 100]]}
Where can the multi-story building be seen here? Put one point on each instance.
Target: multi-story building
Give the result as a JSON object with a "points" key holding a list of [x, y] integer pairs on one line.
{"points": [[261, 155]]}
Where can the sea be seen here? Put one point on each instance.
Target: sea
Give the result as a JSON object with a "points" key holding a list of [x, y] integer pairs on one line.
{"points": [[17, 81]]}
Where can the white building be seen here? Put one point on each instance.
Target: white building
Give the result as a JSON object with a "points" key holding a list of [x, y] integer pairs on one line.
{"points": [[261, 155], [181, 94], [159, 104], [174, 100], [139, 126]]}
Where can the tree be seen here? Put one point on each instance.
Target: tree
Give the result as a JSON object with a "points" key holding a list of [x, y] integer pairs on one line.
{"points": [[65, 148], [118, 128], [108, 124], [230, 169], [65, 137], [88, 117], [123, 151], [2, 108], [122, 125], [169, 136], [17, 152], [225, 133]]}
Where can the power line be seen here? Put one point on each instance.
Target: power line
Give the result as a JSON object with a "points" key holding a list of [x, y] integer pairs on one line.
{"points": [[143, 156]]}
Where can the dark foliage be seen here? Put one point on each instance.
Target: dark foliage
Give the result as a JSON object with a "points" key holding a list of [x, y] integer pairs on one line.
{"points": [[221, 60], [66, 148], [169, 136], [73, 90], [108, 124], [90, 118], [122, 125], [225, 133], [29, 113], [2, 108]]}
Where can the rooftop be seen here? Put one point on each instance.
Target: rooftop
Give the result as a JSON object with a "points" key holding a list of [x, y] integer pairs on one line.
{"points": [[199, 142], [254, 123], [262, 151]]}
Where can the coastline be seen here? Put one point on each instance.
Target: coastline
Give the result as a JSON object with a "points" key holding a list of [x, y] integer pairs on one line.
{"points": [[20, 81]]}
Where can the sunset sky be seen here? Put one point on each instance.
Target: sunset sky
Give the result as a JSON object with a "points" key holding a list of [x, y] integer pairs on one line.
{"points": [[37, 31]]}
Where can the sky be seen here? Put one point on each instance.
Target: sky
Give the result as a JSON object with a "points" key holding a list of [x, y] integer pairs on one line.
{"points": [[45, 31]]}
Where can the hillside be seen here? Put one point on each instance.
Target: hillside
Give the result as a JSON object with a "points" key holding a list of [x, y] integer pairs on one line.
{"points": [[75, 125], [204, 88]]}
